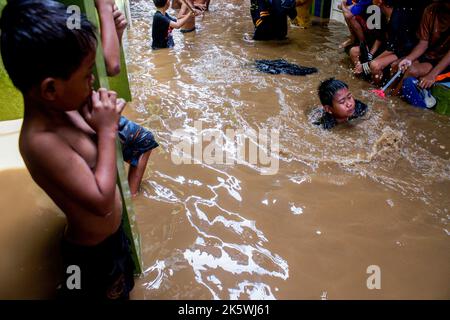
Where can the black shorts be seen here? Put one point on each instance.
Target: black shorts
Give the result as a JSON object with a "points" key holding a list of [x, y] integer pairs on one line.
{"points": [[106, 269]]}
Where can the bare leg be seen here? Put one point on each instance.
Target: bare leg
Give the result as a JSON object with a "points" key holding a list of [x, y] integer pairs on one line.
{"points": [[355, 54], [135, 174], [352, 38], [377, 66], [356, 28]]}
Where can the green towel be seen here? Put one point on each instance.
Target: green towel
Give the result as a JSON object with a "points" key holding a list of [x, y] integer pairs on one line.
{"points": [[442, 95]]}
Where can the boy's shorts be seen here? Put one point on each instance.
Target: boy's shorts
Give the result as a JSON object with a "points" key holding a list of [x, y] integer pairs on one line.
{"points": [[187, 30], [106, 269], [135, 139], [359, 8]]}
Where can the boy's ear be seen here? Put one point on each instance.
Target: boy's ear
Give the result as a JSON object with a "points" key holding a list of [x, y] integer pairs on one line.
{"points": [[327, 109], [48, 89]]}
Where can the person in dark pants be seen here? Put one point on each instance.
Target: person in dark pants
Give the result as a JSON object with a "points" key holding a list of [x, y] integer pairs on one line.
{"points": [[270, 18]]}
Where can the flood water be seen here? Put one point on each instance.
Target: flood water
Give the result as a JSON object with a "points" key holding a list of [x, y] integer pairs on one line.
{"points": [[373, 192]]}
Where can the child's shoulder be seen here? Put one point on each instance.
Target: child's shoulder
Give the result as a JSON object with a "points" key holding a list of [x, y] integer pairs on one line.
{"points": [[160, 17], [360, 108], [36, 142], [42, 145], [319, 117]]}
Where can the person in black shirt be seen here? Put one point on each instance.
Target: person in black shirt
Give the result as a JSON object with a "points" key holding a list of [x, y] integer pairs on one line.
{"points": [[163, 24], [270, 18], [401, 36], [338, 104]]}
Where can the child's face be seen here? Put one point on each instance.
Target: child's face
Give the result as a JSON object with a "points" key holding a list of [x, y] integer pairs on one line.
{"points": [[75, 92], [343, 104]]}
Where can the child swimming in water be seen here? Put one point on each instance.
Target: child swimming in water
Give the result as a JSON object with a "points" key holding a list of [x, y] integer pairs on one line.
{"points": [[338, 104]]}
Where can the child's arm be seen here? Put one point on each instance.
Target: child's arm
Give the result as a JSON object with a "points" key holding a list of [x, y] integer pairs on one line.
{"points": [[110, 40], [180, 22], [104, 118], [184, 10], [428, 80], [67, 176], [189, 5], [415, 54], [120, 21]]}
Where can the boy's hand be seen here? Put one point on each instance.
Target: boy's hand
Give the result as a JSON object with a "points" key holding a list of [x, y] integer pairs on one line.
{"points": [[427, 81], [201, 7], [104, 111], [120, 21], [121, 103], [404, 64]]}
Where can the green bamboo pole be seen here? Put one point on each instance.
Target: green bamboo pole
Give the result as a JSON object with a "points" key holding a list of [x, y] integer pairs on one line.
{"points": [[102, 80], [11, 100]]}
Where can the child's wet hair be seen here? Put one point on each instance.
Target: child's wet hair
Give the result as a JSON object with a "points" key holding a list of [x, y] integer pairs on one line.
{"points": [[37, 43], [327, 90], [160, 3]]}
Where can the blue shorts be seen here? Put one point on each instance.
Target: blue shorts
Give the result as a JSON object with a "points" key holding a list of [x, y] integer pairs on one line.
{"points": [[359, 8], [136, 140]]}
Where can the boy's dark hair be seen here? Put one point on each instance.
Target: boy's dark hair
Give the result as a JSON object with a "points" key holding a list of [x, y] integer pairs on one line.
{"points": [[160, 3], [37, 43], [327, 90]]}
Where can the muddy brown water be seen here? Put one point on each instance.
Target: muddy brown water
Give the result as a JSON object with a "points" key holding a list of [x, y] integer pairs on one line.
{"points": [[374, 192]]}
